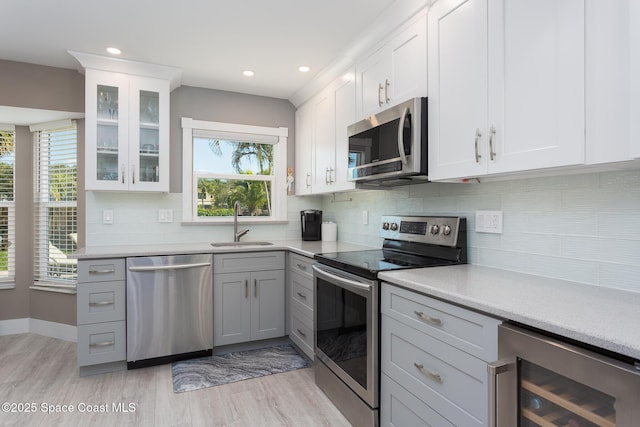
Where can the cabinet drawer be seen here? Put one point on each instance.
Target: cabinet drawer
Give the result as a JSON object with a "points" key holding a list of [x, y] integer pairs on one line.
{"points": [[451, 381], [101, 270], [398, 407], [244, 262], [102, 343], [301, 265], [469, 331], [302, 291], [101, 302], [302, 332]]}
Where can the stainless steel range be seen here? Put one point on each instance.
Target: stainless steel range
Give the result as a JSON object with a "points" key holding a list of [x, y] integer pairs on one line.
{"points": [[347, 310]]}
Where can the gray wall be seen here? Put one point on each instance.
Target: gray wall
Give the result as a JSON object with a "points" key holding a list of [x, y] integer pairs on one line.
{"points": [[47, 88], [230, 107]]}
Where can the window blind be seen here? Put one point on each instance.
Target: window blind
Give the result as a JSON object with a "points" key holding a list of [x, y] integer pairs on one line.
{"points": [[55, 208], [7, 206]]}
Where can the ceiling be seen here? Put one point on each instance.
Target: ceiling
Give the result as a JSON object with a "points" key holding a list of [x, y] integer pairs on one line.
{"points": [[211, 41]]}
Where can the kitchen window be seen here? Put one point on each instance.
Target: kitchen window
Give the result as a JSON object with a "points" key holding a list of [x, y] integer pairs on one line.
{"points": [[225, 162], [7, 207], [55, 206]]}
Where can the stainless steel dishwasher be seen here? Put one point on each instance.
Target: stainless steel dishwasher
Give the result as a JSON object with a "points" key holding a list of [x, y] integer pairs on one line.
{"points": [[169, 308]]}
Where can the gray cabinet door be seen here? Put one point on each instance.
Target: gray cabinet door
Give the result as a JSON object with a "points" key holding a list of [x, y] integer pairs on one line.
{"points": [[231, 308], [267, 304]]}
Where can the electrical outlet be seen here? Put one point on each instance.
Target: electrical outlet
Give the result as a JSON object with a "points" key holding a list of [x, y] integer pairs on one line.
{"points": [[489, 222], [365, 217], [165, 215], [107, 216]]}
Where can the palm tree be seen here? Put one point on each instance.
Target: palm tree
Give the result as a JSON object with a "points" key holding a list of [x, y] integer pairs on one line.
{"points": [[6, 143]]}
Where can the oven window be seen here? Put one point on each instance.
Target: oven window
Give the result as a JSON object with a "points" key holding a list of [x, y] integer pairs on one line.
{"points": [[342, 329]]}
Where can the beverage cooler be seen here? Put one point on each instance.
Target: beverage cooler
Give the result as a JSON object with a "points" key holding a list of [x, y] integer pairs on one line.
{"points": [[545, 381]]}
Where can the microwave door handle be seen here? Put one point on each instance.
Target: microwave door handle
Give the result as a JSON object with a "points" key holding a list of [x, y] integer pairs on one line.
{"points": [[401, 135]]}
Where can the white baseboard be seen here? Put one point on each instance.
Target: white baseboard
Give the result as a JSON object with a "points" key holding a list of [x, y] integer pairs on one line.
{"points": [[40, 327]]}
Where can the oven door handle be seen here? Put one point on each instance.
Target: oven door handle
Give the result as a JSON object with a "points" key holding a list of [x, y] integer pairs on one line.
{"points": [[344, 282]]}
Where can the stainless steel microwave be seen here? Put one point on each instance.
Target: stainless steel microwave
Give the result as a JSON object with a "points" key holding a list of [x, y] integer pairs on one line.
{"points": [[390, 148]]}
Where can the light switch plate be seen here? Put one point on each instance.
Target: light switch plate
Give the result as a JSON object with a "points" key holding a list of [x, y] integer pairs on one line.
{"points": [[107, 216], [489, 222], [165, 215]]}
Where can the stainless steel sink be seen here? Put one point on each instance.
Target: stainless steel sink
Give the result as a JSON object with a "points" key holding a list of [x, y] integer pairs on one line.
{"points": [[228, 244]]}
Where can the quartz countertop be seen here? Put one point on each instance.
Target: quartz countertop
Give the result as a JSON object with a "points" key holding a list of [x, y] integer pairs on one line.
{"points": [[603, 317], [301, 247]]}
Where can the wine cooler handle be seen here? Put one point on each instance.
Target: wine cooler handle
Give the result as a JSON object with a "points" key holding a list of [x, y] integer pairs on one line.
{"points": [[493, 370]]}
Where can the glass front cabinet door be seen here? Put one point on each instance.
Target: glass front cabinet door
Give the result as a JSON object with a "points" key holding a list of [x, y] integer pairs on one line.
{"points": [[127, 132]]}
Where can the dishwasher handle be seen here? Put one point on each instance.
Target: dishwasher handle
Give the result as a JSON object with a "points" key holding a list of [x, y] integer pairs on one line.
{"points": [[170, 267]]}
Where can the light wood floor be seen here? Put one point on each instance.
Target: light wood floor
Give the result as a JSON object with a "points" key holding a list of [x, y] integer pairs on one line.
{"points": [[41, 370]]}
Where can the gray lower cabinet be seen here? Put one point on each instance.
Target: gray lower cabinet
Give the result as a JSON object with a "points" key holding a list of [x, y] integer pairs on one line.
{"points": [[434, 359], [248, 297], [101, 309], [301, 303]]}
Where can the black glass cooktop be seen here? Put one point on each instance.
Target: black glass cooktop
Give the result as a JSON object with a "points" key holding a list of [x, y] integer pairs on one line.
{"points": [[370, 263]]}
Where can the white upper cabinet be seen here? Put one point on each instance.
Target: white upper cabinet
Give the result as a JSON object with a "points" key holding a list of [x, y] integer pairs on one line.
{"points": [[127, 132], [634, 92], [395, 72], [610, 79], [506, 85], [322, 145]]}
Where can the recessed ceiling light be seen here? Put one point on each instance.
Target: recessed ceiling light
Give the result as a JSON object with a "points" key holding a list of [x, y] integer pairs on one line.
{"points": [[248, 73], [114, 50], [304, 68]]}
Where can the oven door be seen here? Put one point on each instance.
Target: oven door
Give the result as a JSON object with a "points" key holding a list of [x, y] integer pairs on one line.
{"points": [[541, 380], [346, 332]]}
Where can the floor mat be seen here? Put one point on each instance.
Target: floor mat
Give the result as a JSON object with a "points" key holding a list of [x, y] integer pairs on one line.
{"points": [[194, 374]]}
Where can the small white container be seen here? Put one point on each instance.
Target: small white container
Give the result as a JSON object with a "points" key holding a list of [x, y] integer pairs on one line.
{"points": [[329, 231]]}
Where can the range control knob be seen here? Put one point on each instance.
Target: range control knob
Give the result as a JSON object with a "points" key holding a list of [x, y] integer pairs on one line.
{"points": [[446, 230], [385, 226], [394, 226], [434, 229]]}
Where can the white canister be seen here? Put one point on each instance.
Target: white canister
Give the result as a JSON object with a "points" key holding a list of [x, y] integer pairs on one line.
{"points": [[329, 231]]}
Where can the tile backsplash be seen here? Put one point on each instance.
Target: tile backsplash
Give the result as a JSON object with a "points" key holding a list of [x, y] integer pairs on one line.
{"points": [[583, 228]]}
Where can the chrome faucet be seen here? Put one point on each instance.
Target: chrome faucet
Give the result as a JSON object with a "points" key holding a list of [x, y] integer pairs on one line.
{"points": [[237, 234]]}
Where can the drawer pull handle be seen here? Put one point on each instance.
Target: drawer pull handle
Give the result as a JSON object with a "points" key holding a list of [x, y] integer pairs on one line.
{"points": [[302, 334], [102, 344], [429, 319], [101, 303], [302, 267], [435, 377], [104, 271], [301, 295]]}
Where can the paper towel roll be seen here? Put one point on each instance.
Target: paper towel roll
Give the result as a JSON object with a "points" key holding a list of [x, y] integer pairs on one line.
{"points": [[329, 231]]}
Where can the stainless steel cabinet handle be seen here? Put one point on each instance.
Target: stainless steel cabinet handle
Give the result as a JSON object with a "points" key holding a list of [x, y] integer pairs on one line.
{"points": [[124, 173], [435, 377], [429, 319], [493, 370], [327, 176], [380, 88], [478, 136], [255, 288], [307, 180], [492, 134], [102, 344], [301, 295], [302, 267], [246, 289], [301, 333], [386, 90], [104, 271], [133, 174], [101, 303]]}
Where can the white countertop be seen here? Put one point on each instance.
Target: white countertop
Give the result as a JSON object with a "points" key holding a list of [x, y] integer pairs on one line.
{"points": [[301, 247], [603, 317]]}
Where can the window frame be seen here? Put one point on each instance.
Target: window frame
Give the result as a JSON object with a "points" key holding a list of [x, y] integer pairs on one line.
{"points": [[189, 177], [8, 281]]}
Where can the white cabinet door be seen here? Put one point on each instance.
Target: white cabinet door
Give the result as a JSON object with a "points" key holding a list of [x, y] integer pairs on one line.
{"points": [[323, 141], [458, 91], [231, 308], [634, 71], [372, 78], [303, 153], [267, 304], [345, 115], [536, 84], [127, 132], [408, 52]]}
